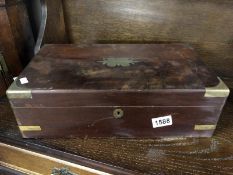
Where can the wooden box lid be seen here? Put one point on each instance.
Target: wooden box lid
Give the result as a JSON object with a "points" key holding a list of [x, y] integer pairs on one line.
{"points": [[128, 74]]}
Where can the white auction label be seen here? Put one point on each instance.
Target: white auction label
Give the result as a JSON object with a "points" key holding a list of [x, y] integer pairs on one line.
{"points": [[162, 121], [23, 80]]}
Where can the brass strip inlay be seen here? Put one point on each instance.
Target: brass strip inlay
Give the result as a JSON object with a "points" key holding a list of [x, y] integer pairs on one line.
{"points": [[30, 128], [204, 127], [221, 90], [15, 92]]}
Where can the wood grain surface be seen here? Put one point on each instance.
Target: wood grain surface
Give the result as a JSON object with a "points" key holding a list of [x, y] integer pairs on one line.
{"points": [[150, 67], [7, 44], [55, 31], [16, 40], [207, 156], [21, 29], [206, 25]]}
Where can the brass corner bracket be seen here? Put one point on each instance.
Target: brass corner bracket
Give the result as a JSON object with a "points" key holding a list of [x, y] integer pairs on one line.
{"points": [[15, 92], [204, 127], [221, 90]]}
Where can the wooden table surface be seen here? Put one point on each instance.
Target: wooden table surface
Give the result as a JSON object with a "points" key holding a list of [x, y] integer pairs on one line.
{"points": [[151, 156]]}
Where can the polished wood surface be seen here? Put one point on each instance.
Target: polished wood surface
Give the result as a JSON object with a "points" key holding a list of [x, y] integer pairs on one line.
{"points": [[85, 67], [207, 25], [149, 156]]}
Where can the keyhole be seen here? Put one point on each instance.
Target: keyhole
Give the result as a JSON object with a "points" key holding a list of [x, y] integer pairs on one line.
{"points": [[118, 113]]}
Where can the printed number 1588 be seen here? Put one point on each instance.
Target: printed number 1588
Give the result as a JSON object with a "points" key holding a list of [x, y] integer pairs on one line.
{"points": [[162, 121]]}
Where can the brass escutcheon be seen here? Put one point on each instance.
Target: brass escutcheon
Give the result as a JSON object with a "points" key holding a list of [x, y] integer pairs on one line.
{"points": [[118, 113]]}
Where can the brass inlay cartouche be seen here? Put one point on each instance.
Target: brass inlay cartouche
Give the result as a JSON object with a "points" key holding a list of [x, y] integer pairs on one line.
{"points": [[114, 62], [221, 90]]}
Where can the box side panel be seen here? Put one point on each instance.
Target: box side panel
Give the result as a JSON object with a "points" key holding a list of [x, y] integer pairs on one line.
{"points": [[136, 122]]}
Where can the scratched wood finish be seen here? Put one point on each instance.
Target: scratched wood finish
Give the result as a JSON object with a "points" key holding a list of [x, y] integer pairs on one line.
{"points": [[149, 156], [207, 25]]}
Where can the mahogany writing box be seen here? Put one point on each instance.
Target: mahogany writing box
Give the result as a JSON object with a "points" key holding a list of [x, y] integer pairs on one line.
{"points": [[117, 90]]}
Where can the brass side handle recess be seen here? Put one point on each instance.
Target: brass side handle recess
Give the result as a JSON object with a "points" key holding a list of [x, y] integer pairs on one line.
{"points": [[118, 113]]}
